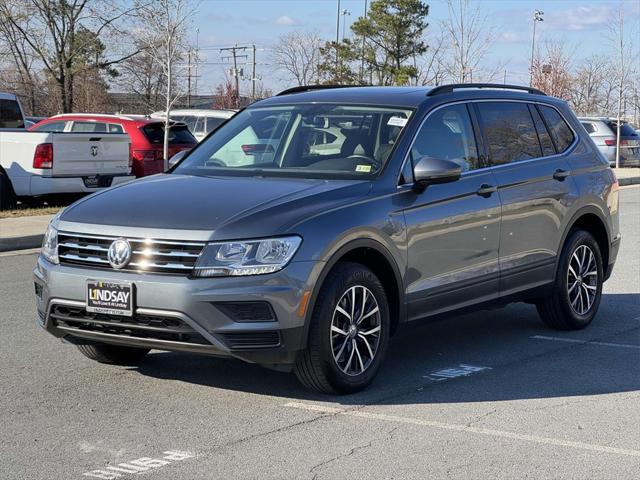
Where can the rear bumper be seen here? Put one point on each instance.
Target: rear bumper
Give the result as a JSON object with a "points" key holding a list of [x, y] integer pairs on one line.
{"points": [[40, 185], [613, 254]]}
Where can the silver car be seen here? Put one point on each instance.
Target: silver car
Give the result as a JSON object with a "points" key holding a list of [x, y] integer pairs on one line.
{"points": [[308, 259], [603, 131]]}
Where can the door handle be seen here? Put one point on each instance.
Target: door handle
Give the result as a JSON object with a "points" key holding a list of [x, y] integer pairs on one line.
{"points": [[561, 174], [486, 190]]}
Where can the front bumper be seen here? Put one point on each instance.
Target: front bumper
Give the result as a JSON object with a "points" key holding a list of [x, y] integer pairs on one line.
{"points": [[193, 305]]}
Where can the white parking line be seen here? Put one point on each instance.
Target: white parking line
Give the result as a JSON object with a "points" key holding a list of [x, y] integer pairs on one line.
{"points": [[586, 342], [139, 465], [13, 253], [461, 370], [465, 429]]}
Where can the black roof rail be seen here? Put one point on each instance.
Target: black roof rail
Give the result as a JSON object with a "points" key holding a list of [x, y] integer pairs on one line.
{"points": [[492, 86], [307, 88]]}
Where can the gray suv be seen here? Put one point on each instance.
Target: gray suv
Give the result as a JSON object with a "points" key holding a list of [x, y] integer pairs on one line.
{"points": [[301, 233]]}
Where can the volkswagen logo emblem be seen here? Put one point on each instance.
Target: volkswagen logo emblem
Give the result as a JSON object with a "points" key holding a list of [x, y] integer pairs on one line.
{"points": [[94, 150], [119, 253]]}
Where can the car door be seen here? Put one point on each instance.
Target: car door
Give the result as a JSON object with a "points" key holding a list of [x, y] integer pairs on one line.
{"points": [[534, 187], [452, 228]]}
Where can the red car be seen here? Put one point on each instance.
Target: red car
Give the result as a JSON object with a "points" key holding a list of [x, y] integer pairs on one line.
{"points": [[146, 134]]}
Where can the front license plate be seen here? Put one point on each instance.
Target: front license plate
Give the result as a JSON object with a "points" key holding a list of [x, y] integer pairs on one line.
{"points": [[110, 298], [97, 181]]}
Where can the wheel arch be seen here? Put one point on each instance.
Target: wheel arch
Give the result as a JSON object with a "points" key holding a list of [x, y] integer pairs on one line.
{"points": [[592, 220], [375, 256]]}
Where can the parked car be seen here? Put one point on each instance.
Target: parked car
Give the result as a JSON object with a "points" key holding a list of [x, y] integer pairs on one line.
{"points": [[34, 163], [146, 134], [31, 121], [199, 121], [308, 260], [603, 130]]}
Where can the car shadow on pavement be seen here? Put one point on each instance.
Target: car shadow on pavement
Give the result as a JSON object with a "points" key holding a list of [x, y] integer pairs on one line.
{"points": [[520, 366]]}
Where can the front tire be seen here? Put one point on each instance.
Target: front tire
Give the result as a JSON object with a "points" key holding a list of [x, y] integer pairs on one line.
{"points": [[348, 334], [577, 289], [113, 354]]}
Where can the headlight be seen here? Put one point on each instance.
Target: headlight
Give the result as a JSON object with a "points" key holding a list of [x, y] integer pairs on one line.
{"points": [[251, 257], [50, 244]]}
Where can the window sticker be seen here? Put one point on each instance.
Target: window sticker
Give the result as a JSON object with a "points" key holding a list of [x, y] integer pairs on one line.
{"points": [[397, 121], [363, 168]]}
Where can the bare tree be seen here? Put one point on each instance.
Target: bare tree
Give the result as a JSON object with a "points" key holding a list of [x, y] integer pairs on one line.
{"points": [[60, 33], [551, 70], [143, 76], [588, 84], [431, 67], [298, 55], [164, 38], [468, 31]]}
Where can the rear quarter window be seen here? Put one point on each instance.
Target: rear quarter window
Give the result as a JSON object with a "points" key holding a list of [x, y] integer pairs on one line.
{"points": [[560, 132], [177, 134], [55, 127], [589, 127]]}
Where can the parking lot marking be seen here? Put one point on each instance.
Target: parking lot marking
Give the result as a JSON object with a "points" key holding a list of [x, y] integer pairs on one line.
{"points": [[13, 253], [461, 370], [464, 428], [587, 342], [139, 465]]}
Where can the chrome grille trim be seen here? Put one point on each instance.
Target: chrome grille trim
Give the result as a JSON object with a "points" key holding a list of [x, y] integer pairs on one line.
{"points": [[148, 255]]}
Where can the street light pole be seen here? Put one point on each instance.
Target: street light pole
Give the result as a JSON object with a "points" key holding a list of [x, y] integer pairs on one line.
{"points": [[537, 17], [337, 36]]}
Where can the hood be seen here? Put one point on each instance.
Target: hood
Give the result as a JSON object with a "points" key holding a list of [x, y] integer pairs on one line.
{"points": [[229, 207]]}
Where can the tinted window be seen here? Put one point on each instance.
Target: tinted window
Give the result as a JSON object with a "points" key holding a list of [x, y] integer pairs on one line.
{"points": [[589, 127], [447, 134], [178, 134], [50, 127], [89, 127], [10, 114], [543, 134], [213, 122], [560, 131], [510, 132], [625, 129]]}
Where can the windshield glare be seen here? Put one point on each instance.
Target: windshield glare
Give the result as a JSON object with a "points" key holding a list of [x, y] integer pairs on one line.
{"points": [[317, 141]]}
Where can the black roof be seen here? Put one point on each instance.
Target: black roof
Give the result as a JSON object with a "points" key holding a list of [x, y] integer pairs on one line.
{"points": [[410, 97]]}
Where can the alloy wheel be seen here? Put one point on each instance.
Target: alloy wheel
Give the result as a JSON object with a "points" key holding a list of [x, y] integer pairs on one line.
{"points": [[582, 280], [355, 330]]}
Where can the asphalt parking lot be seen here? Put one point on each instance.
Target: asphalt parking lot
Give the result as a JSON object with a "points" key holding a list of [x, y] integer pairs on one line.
{"points": [[488, 395]]}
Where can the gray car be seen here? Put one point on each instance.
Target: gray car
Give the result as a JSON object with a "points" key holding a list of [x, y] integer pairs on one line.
{"points": [[261, 246], [603, 131]]}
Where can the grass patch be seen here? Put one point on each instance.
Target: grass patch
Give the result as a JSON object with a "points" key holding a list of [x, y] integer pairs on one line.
{"points": [[27, 212]]}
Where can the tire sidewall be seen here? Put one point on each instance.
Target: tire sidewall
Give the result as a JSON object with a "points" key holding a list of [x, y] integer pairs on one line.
{"points": [[576, 239], [343, 279]]}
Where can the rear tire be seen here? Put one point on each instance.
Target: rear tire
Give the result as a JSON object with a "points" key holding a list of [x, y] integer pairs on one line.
{"points": [[577, 288], [113, 354], [7, 194], [347, 339]]}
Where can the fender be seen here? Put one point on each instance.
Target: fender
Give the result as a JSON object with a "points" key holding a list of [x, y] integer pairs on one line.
{"points": [[335, 256], [587, 209]]}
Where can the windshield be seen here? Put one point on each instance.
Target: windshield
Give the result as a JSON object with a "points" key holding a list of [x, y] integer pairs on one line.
{"points": [[316, 141]]}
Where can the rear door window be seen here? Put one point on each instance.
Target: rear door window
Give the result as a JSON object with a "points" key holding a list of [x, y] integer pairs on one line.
{"points": [[213, 122], [10, 114], [89, 127], [510, 132], [560, 131]]}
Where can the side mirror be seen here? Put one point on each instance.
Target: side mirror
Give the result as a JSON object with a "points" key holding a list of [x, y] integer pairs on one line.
{"points": [[173, 161], [431, 170]]}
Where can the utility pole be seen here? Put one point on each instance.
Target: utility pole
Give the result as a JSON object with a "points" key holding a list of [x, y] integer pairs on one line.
{"points": [[236, 75], [337, 37], [363, 46], [253, 76], [537, 17], [189, 80]]}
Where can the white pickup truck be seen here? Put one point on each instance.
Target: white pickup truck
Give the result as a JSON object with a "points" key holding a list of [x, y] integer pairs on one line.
{"points": [[41, 163]]}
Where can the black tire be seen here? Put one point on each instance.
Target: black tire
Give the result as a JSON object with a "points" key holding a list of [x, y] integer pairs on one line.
{"points": [[7, 195], [316, 368], [557, 310], [113, 354]]}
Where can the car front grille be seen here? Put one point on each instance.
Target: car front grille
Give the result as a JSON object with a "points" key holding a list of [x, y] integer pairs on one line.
{"points": [[156, 256], [77, 320]]}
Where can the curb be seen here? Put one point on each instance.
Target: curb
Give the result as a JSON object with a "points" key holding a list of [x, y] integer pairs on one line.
{"points": [[8, 244]]}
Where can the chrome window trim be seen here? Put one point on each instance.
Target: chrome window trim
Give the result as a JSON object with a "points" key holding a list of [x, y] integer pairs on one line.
{"points": [[490, 167]]}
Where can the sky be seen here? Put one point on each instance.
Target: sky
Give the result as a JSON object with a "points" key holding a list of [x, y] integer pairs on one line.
{"points": [[582, 25]]}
